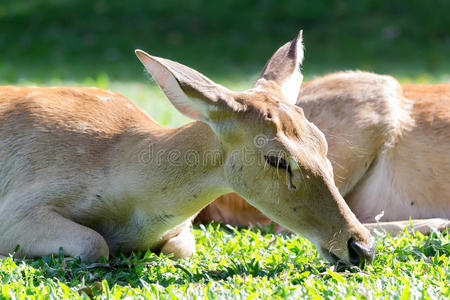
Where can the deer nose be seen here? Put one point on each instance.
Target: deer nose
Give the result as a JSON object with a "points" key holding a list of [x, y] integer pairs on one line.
{"points": [[360, 253]]}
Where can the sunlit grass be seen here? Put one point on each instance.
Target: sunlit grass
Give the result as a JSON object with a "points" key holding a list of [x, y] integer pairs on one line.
{"points": [[231, 263]]}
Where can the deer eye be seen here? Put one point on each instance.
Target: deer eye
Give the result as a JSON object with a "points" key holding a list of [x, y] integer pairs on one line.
{"points": [[277, 162]]}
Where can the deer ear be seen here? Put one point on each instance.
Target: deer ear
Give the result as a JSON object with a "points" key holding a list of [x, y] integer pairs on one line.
{"points": [[283, 68], [192, 93]]}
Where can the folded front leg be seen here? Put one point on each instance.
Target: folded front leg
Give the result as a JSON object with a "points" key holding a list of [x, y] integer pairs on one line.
{"points": [[181, 245], [42, 232]]}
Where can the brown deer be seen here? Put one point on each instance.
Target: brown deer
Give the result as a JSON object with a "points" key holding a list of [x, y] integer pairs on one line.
{"points": [[389, 145], [87, 170]]}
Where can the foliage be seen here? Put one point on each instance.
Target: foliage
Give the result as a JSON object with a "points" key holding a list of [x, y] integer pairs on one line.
{"points": [[74, 39], [236, 263]]}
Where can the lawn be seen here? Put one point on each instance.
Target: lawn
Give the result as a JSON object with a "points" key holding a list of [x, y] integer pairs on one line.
{"points": [[91, 43], [240, 263]]}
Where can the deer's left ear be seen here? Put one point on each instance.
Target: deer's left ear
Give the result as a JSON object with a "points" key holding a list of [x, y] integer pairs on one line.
{"points": [[283, 68]]}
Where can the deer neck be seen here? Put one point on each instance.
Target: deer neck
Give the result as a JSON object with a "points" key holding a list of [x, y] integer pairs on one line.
{"points": [[180, 169]]}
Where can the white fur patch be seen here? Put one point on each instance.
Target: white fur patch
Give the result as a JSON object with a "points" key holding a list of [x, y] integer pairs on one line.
{"points": [[372, 200], [291, 87]]}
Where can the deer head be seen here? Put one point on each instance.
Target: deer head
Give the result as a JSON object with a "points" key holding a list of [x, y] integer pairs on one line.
{"points": [[273, 156]]}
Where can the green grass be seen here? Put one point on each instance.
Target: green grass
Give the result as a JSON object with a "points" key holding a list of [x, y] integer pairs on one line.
{"points": [[231, 263], [75, 39], [91, 42]]}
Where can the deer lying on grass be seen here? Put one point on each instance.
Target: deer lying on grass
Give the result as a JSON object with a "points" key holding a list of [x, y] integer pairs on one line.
{"points": [[87, 170], [389, 145]]}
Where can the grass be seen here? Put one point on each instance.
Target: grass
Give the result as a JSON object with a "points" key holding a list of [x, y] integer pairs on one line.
{"points": [[75, 39], [91, 42], [240, 263]]}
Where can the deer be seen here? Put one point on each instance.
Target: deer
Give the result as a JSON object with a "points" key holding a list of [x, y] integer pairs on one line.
{"points": [[389, 146], [86, 172]]}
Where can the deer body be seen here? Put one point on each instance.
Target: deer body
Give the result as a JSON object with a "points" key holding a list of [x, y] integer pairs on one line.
{"points": [[389, 146], [70, 152], [86, 170]]}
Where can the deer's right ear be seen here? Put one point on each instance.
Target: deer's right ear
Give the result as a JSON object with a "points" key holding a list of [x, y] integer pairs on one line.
{"points": [[192, 93], [283, 68]]}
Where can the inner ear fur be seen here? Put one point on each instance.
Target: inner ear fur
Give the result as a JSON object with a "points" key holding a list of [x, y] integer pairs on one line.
{"points": [[192, 93], [283, 69]]}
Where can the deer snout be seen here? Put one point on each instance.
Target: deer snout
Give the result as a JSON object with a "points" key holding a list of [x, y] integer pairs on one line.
{"points": [[360, 252]]}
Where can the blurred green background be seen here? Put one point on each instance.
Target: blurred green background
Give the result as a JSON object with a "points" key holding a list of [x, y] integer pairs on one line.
{"points": [[80, 42]]}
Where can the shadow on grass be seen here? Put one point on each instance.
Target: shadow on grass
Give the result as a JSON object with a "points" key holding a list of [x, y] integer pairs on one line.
{"points": [[138, 270]]}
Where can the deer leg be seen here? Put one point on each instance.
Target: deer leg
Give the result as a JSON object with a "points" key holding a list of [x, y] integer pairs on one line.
{"points": [[181, 245], [43, 232], [421, 225]]}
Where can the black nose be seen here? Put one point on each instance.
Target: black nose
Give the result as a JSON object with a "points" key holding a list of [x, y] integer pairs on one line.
{"points": [[360, 254]]}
